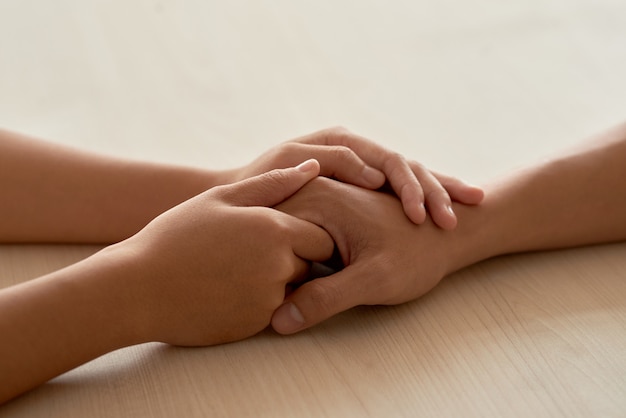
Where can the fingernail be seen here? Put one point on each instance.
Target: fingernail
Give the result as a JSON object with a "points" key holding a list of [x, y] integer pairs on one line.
{"points": [[295, 314], [287, 318], [373, 176], [450, 211], [308, 165]]}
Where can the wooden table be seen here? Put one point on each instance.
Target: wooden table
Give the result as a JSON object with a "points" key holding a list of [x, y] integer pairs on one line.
{"points": [[472, 88]]}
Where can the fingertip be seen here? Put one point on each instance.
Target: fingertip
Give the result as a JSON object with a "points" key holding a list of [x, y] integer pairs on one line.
{"points": [[287, 319], [445, 217], [469, 195], [318, 300], [463, 192], [476, 195], [309, 166], [416, 212]]}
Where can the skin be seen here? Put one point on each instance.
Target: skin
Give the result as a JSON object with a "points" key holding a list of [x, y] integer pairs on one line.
{"points": [[92, 198], [180, 280], [575, 198], [200, 257]]}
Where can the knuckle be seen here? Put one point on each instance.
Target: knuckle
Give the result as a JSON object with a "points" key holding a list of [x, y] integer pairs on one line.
{"points": [[394, 164], [275, 177], [270, 181], [448, 181], [396, 159], [343, 153], [338, 130], [325, 296], [437, 194], [279, 230], [286, 151], [327, 136], [222, 193], [416, 165], [336, 135], [290, 147], [396, 156], [453, 179]]}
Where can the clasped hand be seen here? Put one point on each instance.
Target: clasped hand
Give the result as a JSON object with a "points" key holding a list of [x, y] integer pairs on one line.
{"points": [[215, 268], [387, 258]]}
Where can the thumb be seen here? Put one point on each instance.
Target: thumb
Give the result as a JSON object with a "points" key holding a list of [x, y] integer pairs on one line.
{"points": [[271, 188], [316, 301]]}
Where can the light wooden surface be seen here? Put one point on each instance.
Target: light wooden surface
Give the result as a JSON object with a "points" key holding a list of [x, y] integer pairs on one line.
{"points": [[472, 88]]}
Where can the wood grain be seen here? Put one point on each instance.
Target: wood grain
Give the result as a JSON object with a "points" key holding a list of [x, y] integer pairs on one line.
{"points": [[532, 334], [472, 88]]}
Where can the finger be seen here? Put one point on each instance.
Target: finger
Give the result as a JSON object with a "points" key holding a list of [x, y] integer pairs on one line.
{"points": [[460, 191], [407, 186], [436, 197], [395, 167], [318, 300], [344, 164], [308, 240], [301, 270], [271, 188]]}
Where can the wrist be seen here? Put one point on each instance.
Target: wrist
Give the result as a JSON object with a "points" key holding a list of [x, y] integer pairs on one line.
{"points": [[64, 319], [478, 236], [123, 294]]}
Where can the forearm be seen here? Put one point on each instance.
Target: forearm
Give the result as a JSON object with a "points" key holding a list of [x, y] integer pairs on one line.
{"points": [[577, 198], [180, 280], [53, 193], [55, 323]]}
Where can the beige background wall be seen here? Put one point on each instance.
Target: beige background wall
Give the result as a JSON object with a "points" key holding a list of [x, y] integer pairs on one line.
{"points": [[469, 87]]}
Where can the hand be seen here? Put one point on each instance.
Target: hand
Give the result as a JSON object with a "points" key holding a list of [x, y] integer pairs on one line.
{"points": [[356, 160], [388, 259], [210, 270], [214, 268]]}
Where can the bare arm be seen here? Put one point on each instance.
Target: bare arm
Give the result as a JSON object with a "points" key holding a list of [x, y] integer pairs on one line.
{"points": [[179, 280], [52, 193], [575, 198]]}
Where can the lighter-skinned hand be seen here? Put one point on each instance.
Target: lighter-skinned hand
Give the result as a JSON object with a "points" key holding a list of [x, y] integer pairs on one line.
{"points": [[388, 259], [353, 159]]}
